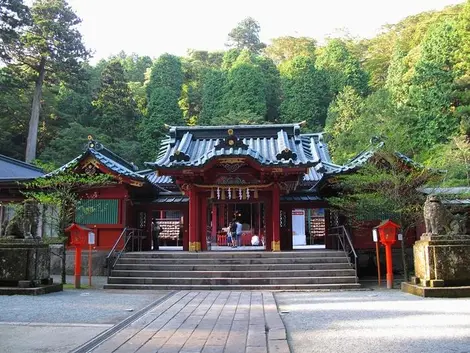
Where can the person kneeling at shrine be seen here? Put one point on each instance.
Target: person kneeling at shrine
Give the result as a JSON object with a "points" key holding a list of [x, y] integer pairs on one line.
{"points": [[255, 240]]}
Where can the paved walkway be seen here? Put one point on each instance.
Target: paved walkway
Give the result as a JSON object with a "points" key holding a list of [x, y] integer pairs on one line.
{"points": [[206, 322]]}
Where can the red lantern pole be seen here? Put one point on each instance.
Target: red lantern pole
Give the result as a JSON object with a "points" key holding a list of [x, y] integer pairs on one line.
{"points": [[377, 251], [78, 265], [388, 259]]}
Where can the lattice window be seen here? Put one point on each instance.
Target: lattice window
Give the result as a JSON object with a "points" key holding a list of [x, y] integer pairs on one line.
{"points": [[283, 219], [96, 211]]}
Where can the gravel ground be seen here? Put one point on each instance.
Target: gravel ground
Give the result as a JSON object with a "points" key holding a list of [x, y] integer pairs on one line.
{"points": [[75, 306], [374, 321], [59, 322]]}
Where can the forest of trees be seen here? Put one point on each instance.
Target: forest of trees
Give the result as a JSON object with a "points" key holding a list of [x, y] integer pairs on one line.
{"points": [[408, 86]]}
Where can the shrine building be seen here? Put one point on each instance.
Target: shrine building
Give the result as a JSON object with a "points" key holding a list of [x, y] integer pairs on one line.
{"points": [[273, 179]]}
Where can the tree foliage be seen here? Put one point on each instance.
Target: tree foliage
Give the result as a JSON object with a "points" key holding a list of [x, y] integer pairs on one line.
{"points": [[286, 48], [49, 48], [342, 67], [61, 193], [115, 108], [408, 86], [432, 86], [163, 94], [246, 36], [305, 93]]}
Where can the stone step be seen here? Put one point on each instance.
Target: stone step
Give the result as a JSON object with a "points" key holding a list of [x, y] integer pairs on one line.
{"points": [[283, 287], [229, 281], [232, 254], [232, 261], [234, 274], [252, 267]]}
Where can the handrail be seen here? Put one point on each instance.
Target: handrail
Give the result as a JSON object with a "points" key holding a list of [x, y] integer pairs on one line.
{"points": [[342, 233], [116, 243], [128, 234]]}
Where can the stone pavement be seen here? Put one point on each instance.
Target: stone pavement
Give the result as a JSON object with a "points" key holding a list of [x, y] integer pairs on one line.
{"points": [[206, 322]]}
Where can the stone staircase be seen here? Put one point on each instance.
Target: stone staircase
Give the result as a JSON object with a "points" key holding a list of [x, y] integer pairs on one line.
{"points": [[234, 270]]}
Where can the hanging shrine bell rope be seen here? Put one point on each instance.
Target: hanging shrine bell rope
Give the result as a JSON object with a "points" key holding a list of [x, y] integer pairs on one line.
{"points": [[233, 191]]}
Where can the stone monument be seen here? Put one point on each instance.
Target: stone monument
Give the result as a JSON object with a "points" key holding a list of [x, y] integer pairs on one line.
{"points": [[442, 255], [25, 260]]}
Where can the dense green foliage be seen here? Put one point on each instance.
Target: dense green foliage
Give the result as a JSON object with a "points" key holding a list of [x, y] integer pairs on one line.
{"points": [[408, 86]]}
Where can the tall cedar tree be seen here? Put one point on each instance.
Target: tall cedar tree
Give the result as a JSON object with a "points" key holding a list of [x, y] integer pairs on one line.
{"points": [[51, 49], [342, 67], [14, 16], [432, 86], [214, 88], [163, 94], [116, 112], [305, 93], [246, 87]]}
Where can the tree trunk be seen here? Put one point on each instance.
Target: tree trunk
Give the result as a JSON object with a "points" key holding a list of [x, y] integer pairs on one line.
{"points": [[403, 255], [63, 271], [35, 110]]}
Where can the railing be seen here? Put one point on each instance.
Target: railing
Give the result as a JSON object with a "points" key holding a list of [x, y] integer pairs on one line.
{"points": [[132, 239], [344, 242]]}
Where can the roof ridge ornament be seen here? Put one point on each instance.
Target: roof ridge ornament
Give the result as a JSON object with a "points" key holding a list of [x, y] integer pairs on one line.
{"points": [[231, 141], [93, 144]]}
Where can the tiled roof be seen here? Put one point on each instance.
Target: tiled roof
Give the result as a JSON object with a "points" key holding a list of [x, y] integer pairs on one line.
{"points": [[153, 177], [12, 169], [301, 197], [270, 145], [106, 157]]}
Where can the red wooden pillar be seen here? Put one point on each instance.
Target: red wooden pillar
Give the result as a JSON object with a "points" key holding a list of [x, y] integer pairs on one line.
{"points": [[203, 221], [214, 221], [286, 231], [186, 229], [276, 218], [268, 218], [221, 212], [194, 244]]}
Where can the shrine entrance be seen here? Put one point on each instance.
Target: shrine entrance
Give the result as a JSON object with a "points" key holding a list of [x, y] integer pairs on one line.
{"points": [[250, 215]]}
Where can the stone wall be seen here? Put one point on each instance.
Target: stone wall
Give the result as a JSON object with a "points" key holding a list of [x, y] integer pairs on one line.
{"points": [[98, 259]]}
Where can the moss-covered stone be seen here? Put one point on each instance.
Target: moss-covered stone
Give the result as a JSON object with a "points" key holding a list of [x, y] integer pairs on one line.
{"points": [[24, 260], [442, 261]]}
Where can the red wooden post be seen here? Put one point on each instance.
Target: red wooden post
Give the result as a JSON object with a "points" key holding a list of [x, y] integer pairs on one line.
{"points": [[192, 219], [221, 208], [388, 259], [203, 222], [194, 241], [377, 251], [259, 220], [89, 265], [269, 224], [78, 265], [214, 221], [276, 218]]}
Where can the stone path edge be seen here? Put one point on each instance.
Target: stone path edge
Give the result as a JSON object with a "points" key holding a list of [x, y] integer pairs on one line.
{"points": [[103, 336], [277, 333]]}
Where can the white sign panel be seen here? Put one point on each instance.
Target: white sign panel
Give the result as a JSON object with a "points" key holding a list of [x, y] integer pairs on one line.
{"points": [[375, 236], [298, 227], [91, 238]]}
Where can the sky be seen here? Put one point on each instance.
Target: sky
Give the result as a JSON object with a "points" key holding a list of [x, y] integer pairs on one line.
{"points": [[154, 27]]}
